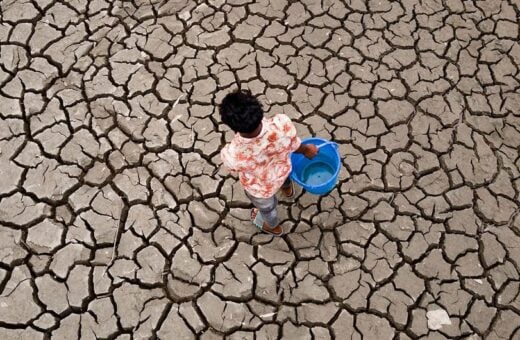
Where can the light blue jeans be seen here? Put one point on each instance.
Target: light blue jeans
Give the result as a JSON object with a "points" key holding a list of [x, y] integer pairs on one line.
{"points": [[267, 206]]}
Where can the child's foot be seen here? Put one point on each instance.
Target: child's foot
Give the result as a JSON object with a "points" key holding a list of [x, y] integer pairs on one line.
{"points": [[288, 191], [258, 221], [276, 231]]}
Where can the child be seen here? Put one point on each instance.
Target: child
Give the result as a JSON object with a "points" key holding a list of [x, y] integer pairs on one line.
{"points": [[260, 153]]}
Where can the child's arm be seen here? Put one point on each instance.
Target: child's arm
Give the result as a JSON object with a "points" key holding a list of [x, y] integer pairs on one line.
{"points": [[228, 160], [308, 150]]}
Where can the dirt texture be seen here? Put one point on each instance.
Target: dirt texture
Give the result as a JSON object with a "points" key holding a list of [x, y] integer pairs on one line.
{"points": [[117, 222]]}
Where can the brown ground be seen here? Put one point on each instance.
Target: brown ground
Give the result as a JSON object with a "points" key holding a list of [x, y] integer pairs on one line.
{"points": [[115, 222]]}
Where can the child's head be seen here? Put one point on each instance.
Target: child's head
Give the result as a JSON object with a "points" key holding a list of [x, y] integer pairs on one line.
{"points": [[241, 111]]}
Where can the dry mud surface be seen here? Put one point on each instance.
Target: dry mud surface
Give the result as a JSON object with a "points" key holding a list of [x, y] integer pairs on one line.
{"points": [[116, 222]]}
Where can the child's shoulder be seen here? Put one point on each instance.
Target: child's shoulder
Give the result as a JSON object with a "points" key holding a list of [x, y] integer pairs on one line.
{"points": [[280, 119], [284, 124]]}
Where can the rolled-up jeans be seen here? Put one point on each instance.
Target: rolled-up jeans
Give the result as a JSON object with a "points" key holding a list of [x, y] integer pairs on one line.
{"points": [[267, 206]]}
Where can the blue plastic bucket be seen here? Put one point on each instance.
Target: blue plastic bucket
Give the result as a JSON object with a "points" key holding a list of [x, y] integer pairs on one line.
{"points": [[318, 175]]}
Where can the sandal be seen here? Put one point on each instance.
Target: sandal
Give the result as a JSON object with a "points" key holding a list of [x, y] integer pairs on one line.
{"points": [[258, 221], [293, 192]]}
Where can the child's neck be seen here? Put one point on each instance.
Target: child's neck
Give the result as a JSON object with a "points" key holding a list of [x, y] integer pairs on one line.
{"points": [[252, 134]]}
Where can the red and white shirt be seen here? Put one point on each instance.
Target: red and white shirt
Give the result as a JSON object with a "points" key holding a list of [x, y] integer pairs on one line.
{"points": [[263, 163]]}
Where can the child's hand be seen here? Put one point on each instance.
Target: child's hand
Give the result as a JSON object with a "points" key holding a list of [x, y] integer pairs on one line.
{"points": [[310, 151]]}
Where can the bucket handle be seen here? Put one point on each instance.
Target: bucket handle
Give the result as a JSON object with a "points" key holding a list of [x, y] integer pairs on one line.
{"points": [[327, 143]]}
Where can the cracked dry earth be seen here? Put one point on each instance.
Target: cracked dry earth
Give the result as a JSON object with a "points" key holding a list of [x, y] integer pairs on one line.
{"points": [[117, 223]]}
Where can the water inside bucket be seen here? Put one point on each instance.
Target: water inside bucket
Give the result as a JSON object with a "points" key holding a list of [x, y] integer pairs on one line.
{"points": [[317, 173]]}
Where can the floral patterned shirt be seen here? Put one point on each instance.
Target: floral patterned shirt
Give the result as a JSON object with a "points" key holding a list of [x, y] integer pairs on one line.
{"points": [[263, 163]]}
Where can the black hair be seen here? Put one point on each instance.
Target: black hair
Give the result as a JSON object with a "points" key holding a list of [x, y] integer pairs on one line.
{"points": [[241, 111]]}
